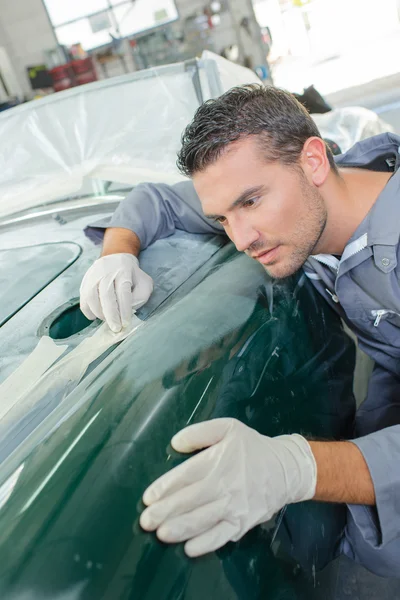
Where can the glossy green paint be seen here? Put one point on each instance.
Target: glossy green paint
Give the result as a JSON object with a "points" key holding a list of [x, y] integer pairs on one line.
{"points": [[25, 271], [229, 342]]}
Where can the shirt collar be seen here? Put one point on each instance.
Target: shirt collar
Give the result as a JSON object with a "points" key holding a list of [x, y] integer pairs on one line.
{"points": [[382, 221], [378, 233], [381, 224]]}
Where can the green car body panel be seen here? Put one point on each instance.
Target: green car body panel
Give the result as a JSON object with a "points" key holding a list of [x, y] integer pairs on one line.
{"points": [[227, 342]]}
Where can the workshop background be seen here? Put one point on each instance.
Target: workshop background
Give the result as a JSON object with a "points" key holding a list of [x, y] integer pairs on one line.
{"points": [[347, 49]]}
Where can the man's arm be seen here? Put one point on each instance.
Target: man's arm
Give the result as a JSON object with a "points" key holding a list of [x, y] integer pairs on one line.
{"points": [[154, 211], [118, 239], [242, 478], [342, 474], [115, 284]]}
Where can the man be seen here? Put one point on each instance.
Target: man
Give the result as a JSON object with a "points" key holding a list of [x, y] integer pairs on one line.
{"points": [[263, 173]]}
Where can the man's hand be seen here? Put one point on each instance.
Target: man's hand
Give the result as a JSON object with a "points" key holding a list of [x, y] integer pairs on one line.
{"points": [[240, 480], [112, 287]]}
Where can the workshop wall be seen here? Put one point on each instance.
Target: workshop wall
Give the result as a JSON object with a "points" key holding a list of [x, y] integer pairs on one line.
{"points": [[25, 32]]}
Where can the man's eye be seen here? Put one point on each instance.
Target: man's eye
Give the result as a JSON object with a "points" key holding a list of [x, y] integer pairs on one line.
{"points": [[249, 203], [221, 220]]}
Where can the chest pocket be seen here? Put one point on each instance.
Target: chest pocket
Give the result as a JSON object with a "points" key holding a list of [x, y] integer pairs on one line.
{"points": [[386, 322], [370, 296], [377, 323]]}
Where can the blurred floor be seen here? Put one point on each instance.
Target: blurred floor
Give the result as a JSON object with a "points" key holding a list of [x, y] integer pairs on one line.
{"points": [[368, 76], [391, 114], [381, 95], [366, 61]]}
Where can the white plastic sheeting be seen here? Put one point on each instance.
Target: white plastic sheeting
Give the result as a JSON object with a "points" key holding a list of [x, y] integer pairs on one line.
{"points": [[125, 130], [346, 126], [229, 73]]}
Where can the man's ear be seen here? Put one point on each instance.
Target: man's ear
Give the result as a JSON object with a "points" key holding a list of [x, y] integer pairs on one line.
{"points": [[314, 160]]}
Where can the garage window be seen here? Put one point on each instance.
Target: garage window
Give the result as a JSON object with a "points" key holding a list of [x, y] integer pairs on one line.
{"points": [[90, 23]]}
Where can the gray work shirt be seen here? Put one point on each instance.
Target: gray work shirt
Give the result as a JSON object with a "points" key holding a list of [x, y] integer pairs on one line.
{"points": [[363, 287]]}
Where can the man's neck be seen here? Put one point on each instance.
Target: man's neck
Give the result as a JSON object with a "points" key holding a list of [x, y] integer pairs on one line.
{"points": [[348, 198]]}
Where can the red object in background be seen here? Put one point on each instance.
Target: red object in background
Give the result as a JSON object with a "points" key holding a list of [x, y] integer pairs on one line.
{"points": [[84, 70], [63, 77], [76, 72]]}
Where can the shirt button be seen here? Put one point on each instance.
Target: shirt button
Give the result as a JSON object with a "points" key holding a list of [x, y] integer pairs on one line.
{"points": [[385, 262]]}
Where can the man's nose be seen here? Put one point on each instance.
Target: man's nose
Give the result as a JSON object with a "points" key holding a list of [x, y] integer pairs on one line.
{"points": [[243, 236]]}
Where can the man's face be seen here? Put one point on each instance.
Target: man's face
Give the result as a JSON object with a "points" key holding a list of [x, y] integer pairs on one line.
{"points": [[269, 210]]}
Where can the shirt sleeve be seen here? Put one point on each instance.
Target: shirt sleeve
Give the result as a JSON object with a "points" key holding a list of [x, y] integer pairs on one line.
{"points": [[372, 535], [154, 211]]}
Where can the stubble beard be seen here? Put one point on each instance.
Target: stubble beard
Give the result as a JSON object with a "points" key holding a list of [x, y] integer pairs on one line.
{"points": [[306, 238]]}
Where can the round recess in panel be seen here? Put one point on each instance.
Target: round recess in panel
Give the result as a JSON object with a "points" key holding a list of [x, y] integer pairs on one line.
{"points": [[66, 321]]}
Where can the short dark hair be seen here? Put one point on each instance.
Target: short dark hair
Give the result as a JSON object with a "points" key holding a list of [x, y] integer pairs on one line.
{"points": [[281, 124]]}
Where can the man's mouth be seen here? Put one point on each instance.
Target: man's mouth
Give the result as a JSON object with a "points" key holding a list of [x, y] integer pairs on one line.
{"points": [[267, 256]]}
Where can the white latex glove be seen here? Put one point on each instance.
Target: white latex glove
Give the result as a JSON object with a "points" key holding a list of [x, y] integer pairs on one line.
{"points": [[241, 480], [112, 287]]}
